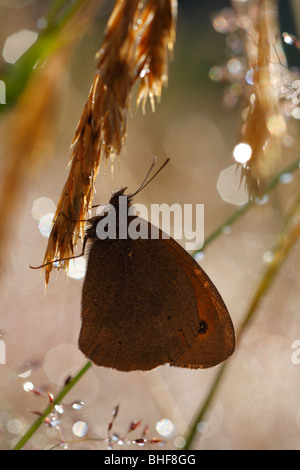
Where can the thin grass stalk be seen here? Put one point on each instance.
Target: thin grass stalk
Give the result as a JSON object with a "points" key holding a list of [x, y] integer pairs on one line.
{"points": [[71, 9]]}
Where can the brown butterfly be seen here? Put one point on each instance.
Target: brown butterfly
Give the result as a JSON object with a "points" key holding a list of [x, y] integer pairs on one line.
{"points": [[146, 302]]}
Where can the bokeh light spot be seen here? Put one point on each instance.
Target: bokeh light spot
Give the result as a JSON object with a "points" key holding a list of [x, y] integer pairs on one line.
{"points": [[249, 77], [242, 152], [164, 427], [80, 428], [296, 113], [235, 67], [28, 386], [276, 125], [230, 188], [14, 426], [268, 256], [179, 442], [286, 178], [41, 207], [77, 268], [216, 73], [45, 224], [18, 43]]}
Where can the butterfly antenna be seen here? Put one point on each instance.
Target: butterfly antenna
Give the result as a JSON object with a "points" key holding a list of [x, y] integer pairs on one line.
{"points": [[96, 206], [145, 182], [62, 259], [145, 179]]}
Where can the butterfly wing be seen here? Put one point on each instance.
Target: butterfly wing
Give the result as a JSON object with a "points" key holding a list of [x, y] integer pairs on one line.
{"points": [[215, 341]]}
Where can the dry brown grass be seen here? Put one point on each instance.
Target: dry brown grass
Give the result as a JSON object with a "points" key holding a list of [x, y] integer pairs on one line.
{"points": [[136, 44], [263, 126]]}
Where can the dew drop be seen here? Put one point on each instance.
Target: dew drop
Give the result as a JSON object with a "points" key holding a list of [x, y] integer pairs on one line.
{"points": [[42, 23], [226, 229], [28, 386], [54, 422], [288, 39], [268, 256], [249, 77], [59, 409], [202, 427], [260, 201], [77, 405], [286, 178], [199, 256], [25, 371]]}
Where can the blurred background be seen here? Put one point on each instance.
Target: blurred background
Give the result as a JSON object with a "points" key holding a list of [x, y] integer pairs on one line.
{"points": [[196, 125]]}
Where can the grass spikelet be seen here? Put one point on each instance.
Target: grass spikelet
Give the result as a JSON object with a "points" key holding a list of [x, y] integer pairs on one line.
{"points": [[136, 36], [264, 126], [157, 40]]}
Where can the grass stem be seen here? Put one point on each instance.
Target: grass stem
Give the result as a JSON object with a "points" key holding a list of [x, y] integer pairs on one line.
{"points": [[40, 420]]}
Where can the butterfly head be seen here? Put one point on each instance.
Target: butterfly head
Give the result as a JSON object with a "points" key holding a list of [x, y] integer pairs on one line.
{"points": [[119, 197]]}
